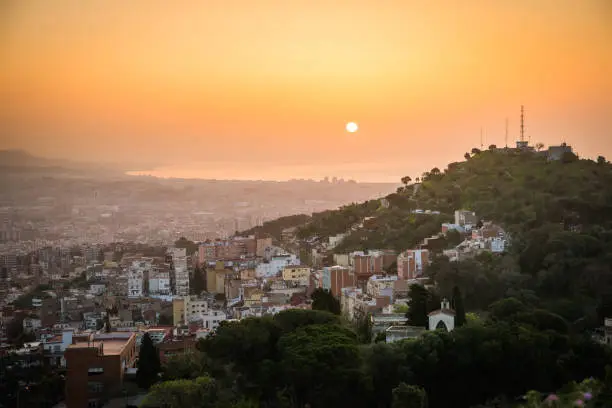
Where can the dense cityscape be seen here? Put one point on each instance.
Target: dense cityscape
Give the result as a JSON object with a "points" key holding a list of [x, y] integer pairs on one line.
{"points": [[93, 309]]}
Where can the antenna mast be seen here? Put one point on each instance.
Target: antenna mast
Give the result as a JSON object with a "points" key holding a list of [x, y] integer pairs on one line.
{"points": [[506, 132], [481, 145], [522, 124]]}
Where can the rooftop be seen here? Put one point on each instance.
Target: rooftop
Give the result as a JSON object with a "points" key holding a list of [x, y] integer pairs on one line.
{"points": [[109, 346]]}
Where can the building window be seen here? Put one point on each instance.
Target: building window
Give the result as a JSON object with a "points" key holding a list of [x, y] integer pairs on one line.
{"points": [[95, 387], [95, 371]]}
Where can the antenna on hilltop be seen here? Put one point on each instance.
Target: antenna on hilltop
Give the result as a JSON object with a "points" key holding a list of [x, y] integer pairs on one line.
{"points": [[506, 132], [481, 144], [522, 124]]}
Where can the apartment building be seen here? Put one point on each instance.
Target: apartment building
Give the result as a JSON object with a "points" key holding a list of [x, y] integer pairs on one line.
{"points": [[179, 278], [334, 278], [297, 275], [356, 304], [232, 248], [366, 264], [136, 277], [379, 285], [411, 263], [276, 265], [159, 281], [464, 217], [95, 368]]}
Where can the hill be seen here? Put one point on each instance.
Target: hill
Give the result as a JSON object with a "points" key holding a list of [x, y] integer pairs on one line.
{"points": [[557, 213], [521, 191]]}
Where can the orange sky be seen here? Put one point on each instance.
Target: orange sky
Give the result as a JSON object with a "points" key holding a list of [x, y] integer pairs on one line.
{"points": [[254, 82]]}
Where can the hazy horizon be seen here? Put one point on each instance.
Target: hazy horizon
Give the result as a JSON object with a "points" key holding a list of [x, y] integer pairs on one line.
{"points": [[266, 88]]}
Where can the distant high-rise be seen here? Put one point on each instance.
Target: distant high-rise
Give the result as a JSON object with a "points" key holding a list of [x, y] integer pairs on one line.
{"points": [[4, 275], [179, 279]]}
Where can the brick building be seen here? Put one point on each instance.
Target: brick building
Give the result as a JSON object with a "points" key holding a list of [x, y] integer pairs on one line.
{"points": [[334, 278], [95, 368], [411, 263]]}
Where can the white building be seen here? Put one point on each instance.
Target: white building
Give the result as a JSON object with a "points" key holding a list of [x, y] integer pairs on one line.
{"points": [[136, 277], [97, 289], [443, 318], [31, 323], [180, 271], [464, 217], [210, 319], [196, 307], [159, 283], [498, 245], [276, 265], [381, 286]]}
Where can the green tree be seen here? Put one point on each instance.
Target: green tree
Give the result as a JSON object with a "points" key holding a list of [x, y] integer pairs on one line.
{"points": [[292, 319], [148, 363], [198, 393], [506, 309], [197, 284], [165, 320], [186, 366], [107, 323], [417, 305], [458, 306], [318, 361], [190, 246], [363, 328], [409, 396], [601, 160], [323, 299]]}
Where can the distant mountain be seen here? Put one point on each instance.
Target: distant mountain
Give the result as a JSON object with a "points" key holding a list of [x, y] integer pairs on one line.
{"points": [[23, 161], [21, 158]]}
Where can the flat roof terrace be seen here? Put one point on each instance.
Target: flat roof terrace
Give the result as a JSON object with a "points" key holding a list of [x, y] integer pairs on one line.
{"points": [[109, 346]]}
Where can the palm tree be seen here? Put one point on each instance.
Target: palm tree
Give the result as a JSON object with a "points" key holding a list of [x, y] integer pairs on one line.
{"points": [[539, 146]]}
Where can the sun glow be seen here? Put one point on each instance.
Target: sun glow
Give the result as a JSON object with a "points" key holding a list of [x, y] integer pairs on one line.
{"points": [[351, 127]]}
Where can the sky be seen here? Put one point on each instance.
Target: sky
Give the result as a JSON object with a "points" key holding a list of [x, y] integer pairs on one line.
{"points": [[263, 89]]}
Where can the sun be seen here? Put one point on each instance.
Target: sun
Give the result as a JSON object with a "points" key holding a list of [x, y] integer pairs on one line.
{"points": [[351, 127]]}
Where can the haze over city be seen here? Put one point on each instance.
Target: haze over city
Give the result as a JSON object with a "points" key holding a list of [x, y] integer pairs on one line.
{"points": [[264, 89]]}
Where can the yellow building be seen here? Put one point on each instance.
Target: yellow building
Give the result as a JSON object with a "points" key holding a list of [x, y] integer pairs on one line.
{"points": [[211, 280], [220, 280], [215, 280], [253, 296], [178, 311], [296, 274]]}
